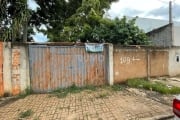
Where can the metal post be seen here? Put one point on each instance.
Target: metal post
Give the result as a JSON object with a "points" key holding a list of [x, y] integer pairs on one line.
{"points": [[170, 11]]}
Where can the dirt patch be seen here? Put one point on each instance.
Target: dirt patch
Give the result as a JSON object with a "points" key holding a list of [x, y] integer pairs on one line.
{"points": [[164, 99]]}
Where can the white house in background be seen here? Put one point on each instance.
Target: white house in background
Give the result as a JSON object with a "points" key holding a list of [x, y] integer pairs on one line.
{"points": [[160, 32]]}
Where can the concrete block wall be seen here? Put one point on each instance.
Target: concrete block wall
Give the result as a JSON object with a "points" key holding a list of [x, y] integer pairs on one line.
{"points": [[15, 68], [162, 36], [121, 64], [139, 63], [129, 63], [166, 36], [158, 62], [176, 36], [174, 61]]}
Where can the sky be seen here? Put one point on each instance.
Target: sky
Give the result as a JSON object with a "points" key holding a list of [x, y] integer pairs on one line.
{"points": [[155, 9], [32, 5]]}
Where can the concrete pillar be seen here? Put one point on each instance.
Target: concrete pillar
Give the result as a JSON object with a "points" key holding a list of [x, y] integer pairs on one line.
{"points": [[7, 68], [110, 65], [28, 83], [24, 68], [148, 66]]}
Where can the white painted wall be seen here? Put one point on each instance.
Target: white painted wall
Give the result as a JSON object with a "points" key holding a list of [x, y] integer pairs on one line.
{"points": [[176, 41], [7, 67], [24, 68], [174, 65], [110, 65]]}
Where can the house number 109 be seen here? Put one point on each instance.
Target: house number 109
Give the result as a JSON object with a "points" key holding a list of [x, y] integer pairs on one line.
{"points": [[128, 60], [125, 60]]}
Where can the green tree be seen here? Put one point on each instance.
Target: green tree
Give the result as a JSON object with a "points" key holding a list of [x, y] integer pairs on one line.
{"points": [[88, 24], [89, 15], [13, 16], [56, 15], [52, 14], [120, 31]]}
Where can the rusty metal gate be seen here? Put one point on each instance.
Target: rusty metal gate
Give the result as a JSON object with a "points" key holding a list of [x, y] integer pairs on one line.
{"points": [[53, 67], [1, 70]]}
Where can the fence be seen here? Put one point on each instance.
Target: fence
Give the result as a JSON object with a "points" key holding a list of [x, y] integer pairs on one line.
{"points": [[53, 67], [139, 63], [45, 67]]}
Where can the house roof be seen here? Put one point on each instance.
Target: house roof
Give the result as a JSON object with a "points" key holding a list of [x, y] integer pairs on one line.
{"points": [[148, 24], [160, 28]]}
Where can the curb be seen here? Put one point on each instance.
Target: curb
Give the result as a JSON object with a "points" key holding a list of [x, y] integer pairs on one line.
{"points": [[160, 117], [6, 100]]}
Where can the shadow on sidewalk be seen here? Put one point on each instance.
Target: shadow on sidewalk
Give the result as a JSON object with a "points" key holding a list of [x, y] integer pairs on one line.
{"points": [[8, 100]]}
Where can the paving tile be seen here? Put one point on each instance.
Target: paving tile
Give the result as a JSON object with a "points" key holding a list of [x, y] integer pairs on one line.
{"points": [[122, 105]]}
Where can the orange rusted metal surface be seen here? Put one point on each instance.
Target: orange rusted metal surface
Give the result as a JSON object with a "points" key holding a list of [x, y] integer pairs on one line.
{"points": [[129, 63], [53, 67], [15, 71], [1, 70]]}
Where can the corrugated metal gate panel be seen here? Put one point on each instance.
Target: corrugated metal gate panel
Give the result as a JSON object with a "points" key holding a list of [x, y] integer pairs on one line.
{"points": [[55, 67], [1, 70]]}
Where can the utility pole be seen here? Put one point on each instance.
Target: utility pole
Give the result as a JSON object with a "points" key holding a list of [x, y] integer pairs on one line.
{"points": [[171, 22], [170, 11]]}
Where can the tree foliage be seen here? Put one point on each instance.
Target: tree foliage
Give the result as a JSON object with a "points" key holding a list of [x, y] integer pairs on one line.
{"points": [[13, 14], [83, 21], [88, 24], [119, 31], [53, 14], [69, 20]]}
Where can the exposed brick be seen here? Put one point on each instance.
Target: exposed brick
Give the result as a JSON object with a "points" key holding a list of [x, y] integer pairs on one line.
{"points": [[15, 71]]}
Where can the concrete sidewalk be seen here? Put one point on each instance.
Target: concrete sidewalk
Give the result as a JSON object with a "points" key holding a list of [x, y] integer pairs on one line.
{"points": [[87, 105], [171, 81]]}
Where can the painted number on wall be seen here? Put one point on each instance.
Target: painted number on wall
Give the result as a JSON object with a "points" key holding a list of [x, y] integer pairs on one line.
{"points": [[128, 60]]}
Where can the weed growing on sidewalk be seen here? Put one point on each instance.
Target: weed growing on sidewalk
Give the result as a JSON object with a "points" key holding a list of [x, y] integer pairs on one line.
{"points": [[27, 92], [36, 118], [25, 114], [102, 95], [63, 92], [154, 86], [117, 87]]}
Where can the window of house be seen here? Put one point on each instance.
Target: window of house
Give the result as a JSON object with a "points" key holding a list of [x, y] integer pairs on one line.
{"points": [[177, 58]]}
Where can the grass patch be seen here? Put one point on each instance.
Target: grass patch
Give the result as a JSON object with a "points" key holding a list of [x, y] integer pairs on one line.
{"points": [[154, 86], [63, 92], [36, 118], [25, 114], [102, 95], [27, 92], [117, 87]]}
